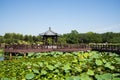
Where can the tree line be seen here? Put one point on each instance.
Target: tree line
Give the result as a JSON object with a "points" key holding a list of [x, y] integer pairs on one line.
{"points": [[74, 37]]}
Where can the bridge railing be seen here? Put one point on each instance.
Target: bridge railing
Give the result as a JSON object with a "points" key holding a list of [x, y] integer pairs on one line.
{"points": [[100, 47], [59, 46], [106, 47]]}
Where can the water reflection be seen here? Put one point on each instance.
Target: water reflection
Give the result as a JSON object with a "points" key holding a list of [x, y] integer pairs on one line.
{"points": [[2, 58]]}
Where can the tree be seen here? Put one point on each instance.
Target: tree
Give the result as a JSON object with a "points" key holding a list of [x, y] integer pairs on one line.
{"points": [[62, 39], [107, 36], [2, 39], [73, 37]]}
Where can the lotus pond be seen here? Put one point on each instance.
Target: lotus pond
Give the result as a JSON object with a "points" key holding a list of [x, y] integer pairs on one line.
{"points": [[89, 65]]}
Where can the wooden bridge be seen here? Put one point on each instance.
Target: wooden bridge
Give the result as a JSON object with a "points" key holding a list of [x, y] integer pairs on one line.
{"points": [[44, 48], [63, 48], [106, 48], [25, 49], [11, 50]]}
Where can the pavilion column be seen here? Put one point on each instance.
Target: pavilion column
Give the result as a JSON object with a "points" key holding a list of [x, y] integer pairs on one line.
{"points": [[52, 41], [47, 41], [56, 40], [43, 42]]}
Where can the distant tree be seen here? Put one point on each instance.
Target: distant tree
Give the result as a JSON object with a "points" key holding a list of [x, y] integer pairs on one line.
{"points": [[70, 38], [62, 39], [93, 37], [83, 38], [73, 37], [28, 38], [7, 36], [107, 36], [115, 38], [2, 39]]}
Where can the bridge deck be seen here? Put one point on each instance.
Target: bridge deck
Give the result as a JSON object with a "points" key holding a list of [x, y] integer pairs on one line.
{"points": [[45, 50]]}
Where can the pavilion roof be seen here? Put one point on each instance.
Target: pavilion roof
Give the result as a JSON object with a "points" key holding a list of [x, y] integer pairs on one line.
{"points": [[49, 33]]}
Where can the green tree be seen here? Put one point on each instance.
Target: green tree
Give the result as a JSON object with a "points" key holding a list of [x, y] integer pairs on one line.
{"points": [[61, 40], [2, 39], [73, 37], [107, 36]]}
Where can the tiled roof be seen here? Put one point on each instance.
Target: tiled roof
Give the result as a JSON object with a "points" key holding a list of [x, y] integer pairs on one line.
{"points": [[49, 33]]}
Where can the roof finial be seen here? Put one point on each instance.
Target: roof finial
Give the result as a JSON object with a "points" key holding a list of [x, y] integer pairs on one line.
{"points": [[49, 28]]}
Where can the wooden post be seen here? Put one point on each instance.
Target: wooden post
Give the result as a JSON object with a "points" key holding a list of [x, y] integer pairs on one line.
{"points": [[10, 56], [24, 55]]}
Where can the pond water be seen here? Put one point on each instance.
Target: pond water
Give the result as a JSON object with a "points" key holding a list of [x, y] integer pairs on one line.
{"points": [[2, 58]]}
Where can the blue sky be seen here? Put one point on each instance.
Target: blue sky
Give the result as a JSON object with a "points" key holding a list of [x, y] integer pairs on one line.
{"points": [[36, 16]]}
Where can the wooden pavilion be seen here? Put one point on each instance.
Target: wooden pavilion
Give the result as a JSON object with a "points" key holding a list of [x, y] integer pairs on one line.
{"points": [[50, 34]]}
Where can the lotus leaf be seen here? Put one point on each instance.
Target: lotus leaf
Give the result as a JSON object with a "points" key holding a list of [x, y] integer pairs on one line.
{"points": [[29, 76], [5, 79], [108, 65], [36, 71], [99, 62], [50, 67], [43, 72], [73, 78], [90, 72], [84, 76]]}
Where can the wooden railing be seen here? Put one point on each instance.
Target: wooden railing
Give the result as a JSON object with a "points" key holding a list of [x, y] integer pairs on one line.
{"points": [[106, 47], [46, 46], [97, 47]]}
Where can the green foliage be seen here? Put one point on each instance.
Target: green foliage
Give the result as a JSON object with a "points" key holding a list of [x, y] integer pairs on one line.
{"points": [[58, 66], [74, 37]]}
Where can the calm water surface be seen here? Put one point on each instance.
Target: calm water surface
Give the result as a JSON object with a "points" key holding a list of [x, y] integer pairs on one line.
{"points": [[1, 57]]}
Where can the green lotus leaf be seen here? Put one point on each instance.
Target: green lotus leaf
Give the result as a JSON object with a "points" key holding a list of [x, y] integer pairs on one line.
{"points": [[40, 64], [29, 76], [104, 61], [58, 64], [36, 71], [66, 67], [98, 77], [117, 60], [90, 72], [106, 76], [5, 79], [30, 54], [50, 67], [98, 62], [116, 74], [76, 78], [73, 78], [116, 79], [43, 72], [35, 65], [84, 76], [75, 60], [108, 65], [78, 69], [46, 63], [13, 78]]}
